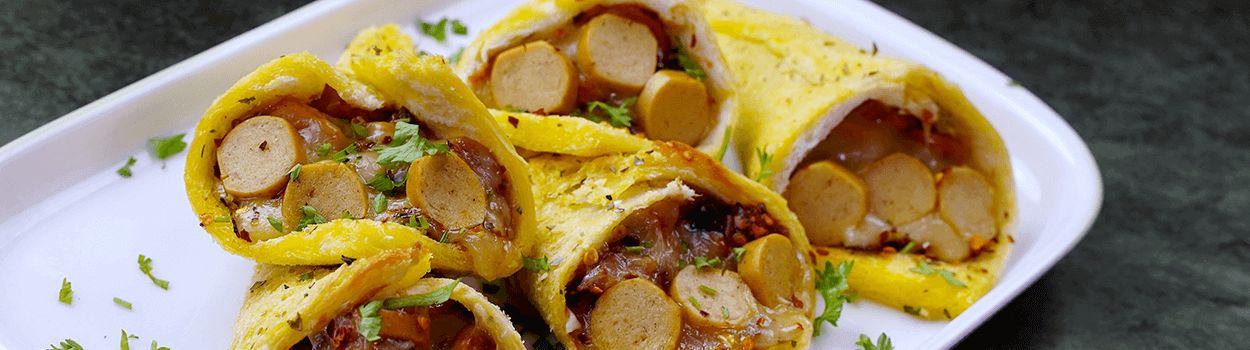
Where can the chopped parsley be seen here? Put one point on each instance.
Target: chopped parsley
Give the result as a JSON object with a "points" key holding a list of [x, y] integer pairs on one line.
{"points": [[222, 220], [309, 216], [536, 265], [125, 344], [766, 160], [447, 234], [738, 253], [67, 294], [634, 249], [324, 149], [294, 173], [924, 268], [379, 203], [724, 146], [125, 170], [68, 344], [707, 290], [512, 109], [701, 262], [459, 28], [911, 310], [341, 156], [419, 222], [346, 215], [724, 311], [358, 131], [618, 116], [831, 283], [438, 31], [455, 57], [687, 63], [165, 147], [384, 183], [908, 248], [145, 265], [695, 302], [122, 303], [370, 323], [434, 297], [277, 225], [883, 343], [408, 146], [154, 347], [306, 276]]}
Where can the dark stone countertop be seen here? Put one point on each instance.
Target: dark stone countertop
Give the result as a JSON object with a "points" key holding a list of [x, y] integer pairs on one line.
{"points": [[1160, 90]]}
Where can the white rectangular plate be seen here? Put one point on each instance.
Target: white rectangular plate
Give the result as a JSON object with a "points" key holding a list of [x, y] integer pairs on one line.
{"points": [[66, 214]]}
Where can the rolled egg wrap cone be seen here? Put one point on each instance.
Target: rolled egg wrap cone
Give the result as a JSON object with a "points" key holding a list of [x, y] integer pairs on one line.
{"points": [[425, 87], [801, 84], [582, 199], [545, 19], [286, 304]]}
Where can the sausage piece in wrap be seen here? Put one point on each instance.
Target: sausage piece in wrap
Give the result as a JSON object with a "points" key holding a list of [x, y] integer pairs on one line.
{"points": [[590, 58], [379, 302], [666, 248], [300, 164], [884, 162]]}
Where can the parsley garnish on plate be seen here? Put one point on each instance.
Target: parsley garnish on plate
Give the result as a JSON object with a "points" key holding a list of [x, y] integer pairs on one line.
{"points": [[122, 303], [883, 343], [145, 265], [766, 160], [407, 146], [68, 344], [438, 31], [125, 345], [831, 283], [434, 297], [370, 323], [455, 57], [924, 268], [165, 147], [67, 293], [618, 116], [154, 347], [125, 170], [459, 28], [536, 265]]}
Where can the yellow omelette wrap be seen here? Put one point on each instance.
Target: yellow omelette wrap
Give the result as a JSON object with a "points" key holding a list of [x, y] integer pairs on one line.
{"points": [[597, 213], [805, 93], [346, 203], [559, 25], [375, 41], [321, 306]]}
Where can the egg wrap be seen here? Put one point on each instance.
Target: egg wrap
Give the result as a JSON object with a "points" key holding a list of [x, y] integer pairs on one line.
{"points": [[286, 304], [427, 88], [542, 18], [375, 41], [804, 82], [581, 200]]}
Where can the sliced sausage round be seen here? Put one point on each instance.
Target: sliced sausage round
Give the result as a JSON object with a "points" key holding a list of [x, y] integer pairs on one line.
{"points": [[635, 314], [966, 201], [534, 77], [329, 187], [673, 106], [771, 267], [828, 199], [256, 155], [721, 298], [900, 189], [937, 238], [446, 188], [616, 53]]}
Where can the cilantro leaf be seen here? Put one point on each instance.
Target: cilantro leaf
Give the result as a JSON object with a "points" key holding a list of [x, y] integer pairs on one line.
{"points": [[883, 343], [738, 253], [436, 31], [165, 147], [309, 216], [459, 28], [122, 303], [358, 131], [384, 183], [536, 265], [419, 222], [294, 173], [455, 57], [434, 297], [324, 149], [125, 170], [831, 283], [145, 265], [67, 293], [277, 225], [618, 116], [370, 323], [766, 160], [68, 344], [408, 146], [687, 63]]}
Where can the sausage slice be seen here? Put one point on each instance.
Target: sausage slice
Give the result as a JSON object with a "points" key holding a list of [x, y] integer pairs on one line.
{"points": [[673, 107], [635, 314], [534, 76], [447, 189], [966, 201], [256, 155], [616, 53], [724, 300], [937, 237], [329, 187], [828, 199], [772, 269], [900, 189]]}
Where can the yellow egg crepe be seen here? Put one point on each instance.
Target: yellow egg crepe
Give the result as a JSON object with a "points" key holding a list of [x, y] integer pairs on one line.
{"points": [[551, 33], [331, 167], [321, 306], [823, 114]]}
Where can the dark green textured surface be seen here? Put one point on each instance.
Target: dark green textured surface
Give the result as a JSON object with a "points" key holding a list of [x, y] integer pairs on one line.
{"points": [[1160, 91]]}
